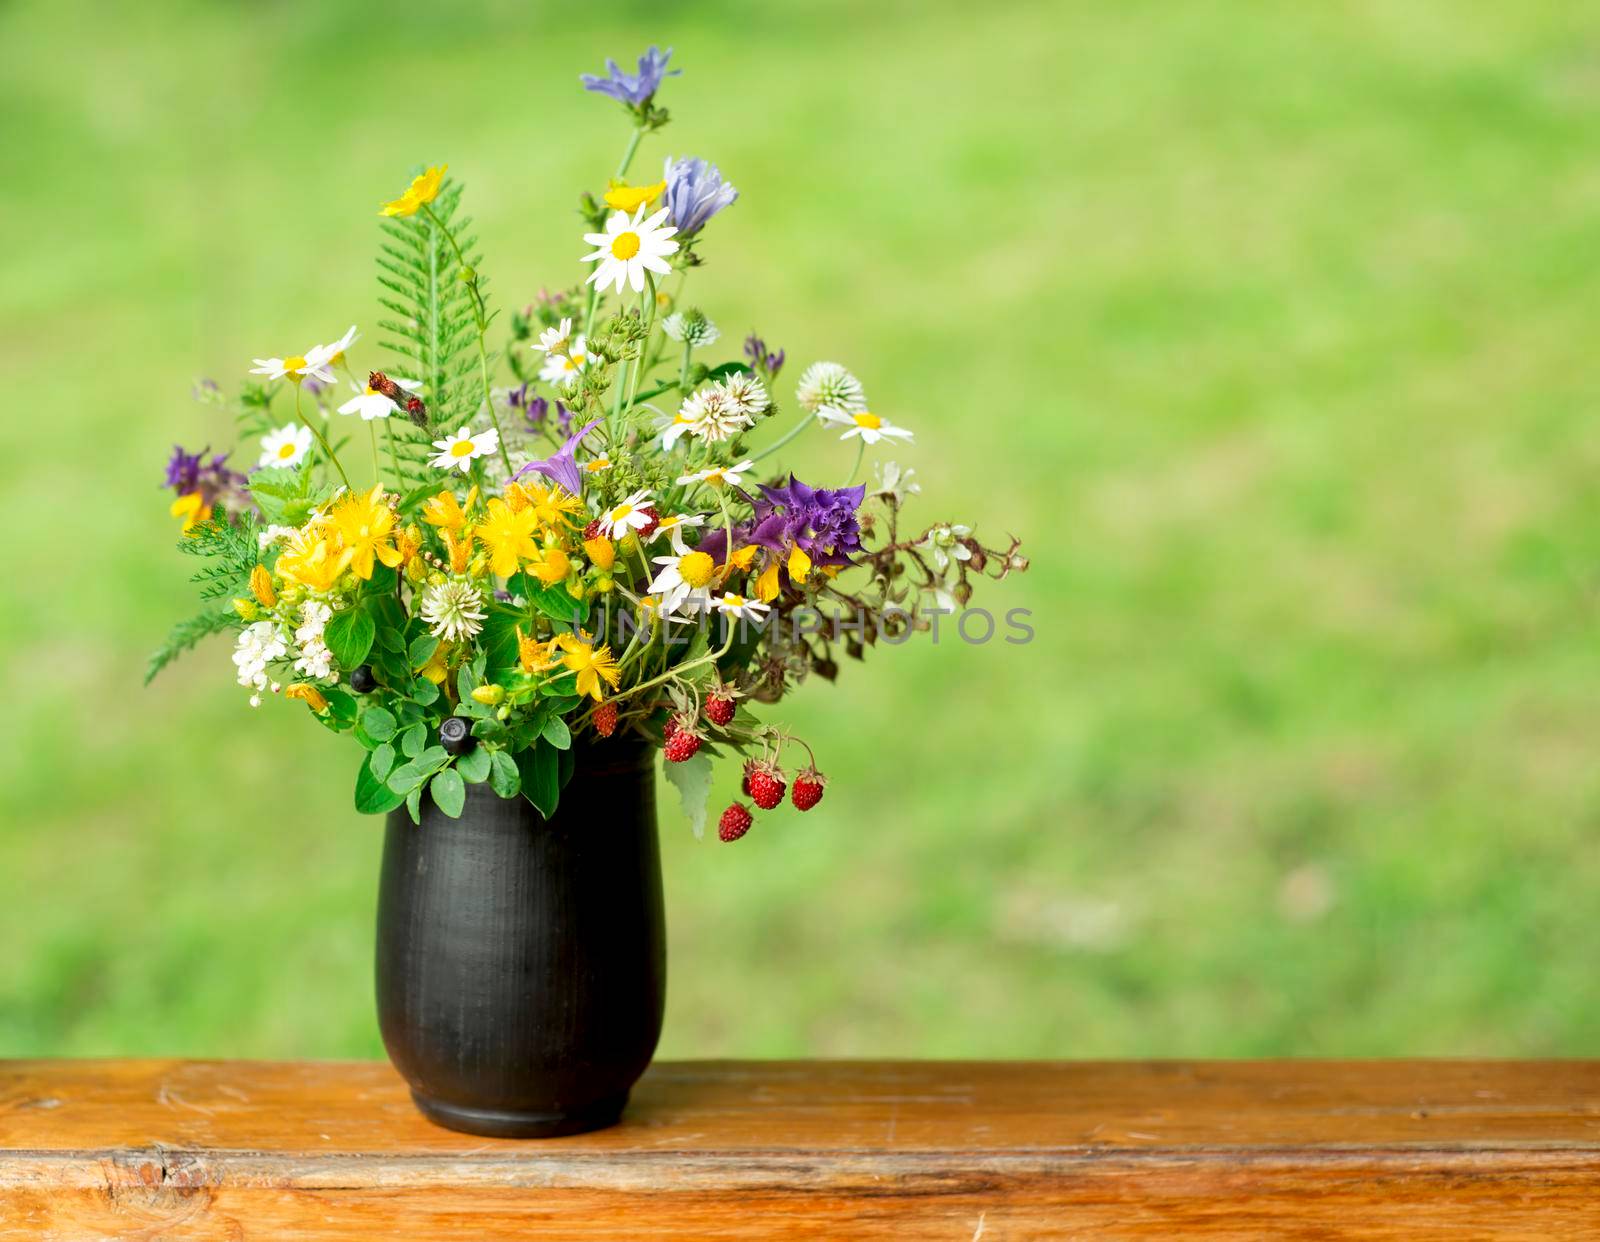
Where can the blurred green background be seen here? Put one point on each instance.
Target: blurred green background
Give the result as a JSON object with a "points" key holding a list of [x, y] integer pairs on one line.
{"points": [[1270, 327]]}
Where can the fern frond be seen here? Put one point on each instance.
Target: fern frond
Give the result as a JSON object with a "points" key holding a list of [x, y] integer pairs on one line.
{"points": [[183, 637]]}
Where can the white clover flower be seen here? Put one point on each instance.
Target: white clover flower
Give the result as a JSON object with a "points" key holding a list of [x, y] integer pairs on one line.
{"points": [[712, 416], [691, 328], [746, 394], [453, 609], [827, 385]]}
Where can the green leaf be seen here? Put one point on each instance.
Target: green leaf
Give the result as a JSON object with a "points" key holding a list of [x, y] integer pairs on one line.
{"points": [[474, 765], [504, 778], [422, 650], [557, 733], [379, 724], [392, 640], [413, 740], [342, 706], [373, 796], [381, 761], [537, 768], [414, 804], [424, 691], [490, 730], [409, 775], [692, 779], [449, 793], [349, 636]]}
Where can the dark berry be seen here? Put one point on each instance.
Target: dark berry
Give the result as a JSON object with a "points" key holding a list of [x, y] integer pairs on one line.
{"points": [[362, 681], [455, 735]]}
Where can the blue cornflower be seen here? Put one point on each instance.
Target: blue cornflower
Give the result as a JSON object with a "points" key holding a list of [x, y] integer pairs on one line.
{"points": [[695, 193], [635, 90]]}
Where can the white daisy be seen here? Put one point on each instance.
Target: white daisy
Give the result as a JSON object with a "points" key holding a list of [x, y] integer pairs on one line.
{"points": [[672, 527], [681, 424], [631, 514], [335, 352], [563, 368], [718, 476], [598, 464], [865, 424], [297, 367], [684, 582], [746, 394], [286, 446], [827, 385], [370, 403], [630, 246], [458, 451], [738, 606], [691, 327], [714, 418], [554, 340], [453, 609]]}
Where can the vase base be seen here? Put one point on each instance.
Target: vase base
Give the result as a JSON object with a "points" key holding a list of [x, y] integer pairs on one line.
{"points": [[504, 1123]]}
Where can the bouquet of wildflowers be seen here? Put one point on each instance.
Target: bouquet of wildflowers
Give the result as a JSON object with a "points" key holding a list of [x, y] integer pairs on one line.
{"points": [[503, 542]]}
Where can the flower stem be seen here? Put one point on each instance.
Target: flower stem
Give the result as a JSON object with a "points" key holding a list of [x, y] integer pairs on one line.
{"points": [[805, 421], [861, 451], [327, 448], [627, 155], [377, 470]]}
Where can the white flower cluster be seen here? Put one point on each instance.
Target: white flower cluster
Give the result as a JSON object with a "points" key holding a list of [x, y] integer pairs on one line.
{"points": [[314, 659], [258, 646], [719, 411], [690, 327]]}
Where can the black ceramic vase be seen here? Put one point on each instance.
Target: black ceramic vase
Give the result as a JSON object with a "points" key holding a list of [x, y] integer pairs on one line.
{"points": [[522, 961]]}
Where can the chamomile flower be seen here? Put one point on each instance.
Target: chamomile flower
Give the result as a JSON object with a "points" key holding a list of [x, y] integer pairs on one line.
{"points": [[740, 608], [458, 452], [297, 368], [828, 386], [453, 609], [684, 580], [335, 351], [745, 394], [631, 246], [632, 514], [370, 403], [677, 426], [596, 465], [672, 526], [554, 340], [564, 368], [286, 446], [718, 476], [690, 327], [866, 424]]}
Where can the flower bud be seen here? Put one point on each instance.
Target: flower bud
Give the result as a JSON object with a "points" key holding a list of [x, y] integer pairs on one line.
{"points": [[489, 695], [246, 608]]}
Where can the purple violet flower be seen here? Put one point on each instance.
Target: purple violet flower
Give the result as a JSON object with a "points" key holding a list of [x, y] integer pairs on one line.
{"points": [[634, 90], [562, 465], [695, 193]]}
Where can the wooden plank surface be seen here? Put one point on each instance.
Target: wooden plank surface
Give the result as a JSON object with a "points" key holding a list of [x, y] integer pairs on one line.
{"points": [[334, 1151]]}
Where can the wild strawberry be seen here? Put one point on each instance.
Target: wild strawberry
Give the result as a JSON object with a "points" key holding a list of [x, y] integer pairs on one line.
{"points": [[766, 785], [744, 784], [720, 708], [649, 527], [683, 743], [605, 719], [592, 530], [807, 789], [735, 822]]}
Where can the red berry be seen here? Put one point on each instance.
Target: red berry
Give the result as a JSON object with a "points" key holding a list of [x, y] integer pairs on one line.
{"points": [[720, 708], [807, 789], [735, 822], [683, 743], [592, 530], [668, 729], [744, 784], [649, 527], [766, 785], [605, 719]]}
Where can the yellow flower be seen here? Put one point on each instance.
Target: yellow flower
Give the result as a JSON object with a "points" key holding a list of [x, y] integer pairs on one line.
{"points": [[744, 557], [555, 506], [436, 669], [767, 583], [552, 567], [535, 656], [592, 665], [602, 552], [445, 512], [314, 562], [460, 549], [261, 586], [366, 526], [192, 508], [508, 536], [423, 189], [409, 543], [305, 691], [624, 197], [799, 563]]}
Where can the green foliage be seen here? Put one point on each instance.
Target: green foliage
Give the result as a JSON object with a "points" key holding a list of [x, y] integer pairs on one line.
{"points": [[231, 543], [185, 634], [349, 636], [287, 497]]}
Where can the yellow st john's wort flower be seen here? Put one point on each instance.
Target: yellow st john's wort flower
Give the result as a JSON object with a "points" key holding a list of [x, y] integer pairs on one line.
{"points": [[437, 668], [535, 656], [554, 505], [261, 586], [592, 665], [367, 527], [308, 694], [423, 189], [624, 197], [445, 512], [192, 508], [552, 566], [508, 536], [313, 561], [460, 549], [601, 552]]}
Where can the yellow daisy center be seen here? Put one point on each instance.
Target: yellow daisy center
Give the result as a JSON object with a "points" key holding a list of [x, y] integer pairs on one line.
{"points": [[597, 465], [371, 391], [620, 512], [297, 363], [696, 568], [462, 448], [733, 601], [286, 450], [625, 245], [868, 420]]}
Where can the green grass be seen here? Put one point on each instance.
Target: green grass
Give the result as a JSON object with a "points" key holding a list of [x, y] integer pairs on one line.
{"points": [[1272, 328]]}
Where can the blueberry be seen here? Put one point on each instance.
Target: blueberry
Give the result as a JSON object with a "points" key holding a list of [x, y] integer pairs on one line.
{"points": [[455, 735], [362, 681]]}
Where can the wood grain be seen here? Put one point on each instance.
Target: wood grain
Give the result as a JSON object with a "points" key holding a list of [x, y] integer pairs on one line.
{"points": [[335, 1151]]}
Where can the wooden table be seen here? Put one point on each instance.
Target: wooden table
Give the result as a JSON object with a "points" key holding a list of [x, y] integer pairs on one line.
{"points": [[847, 1150]]}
